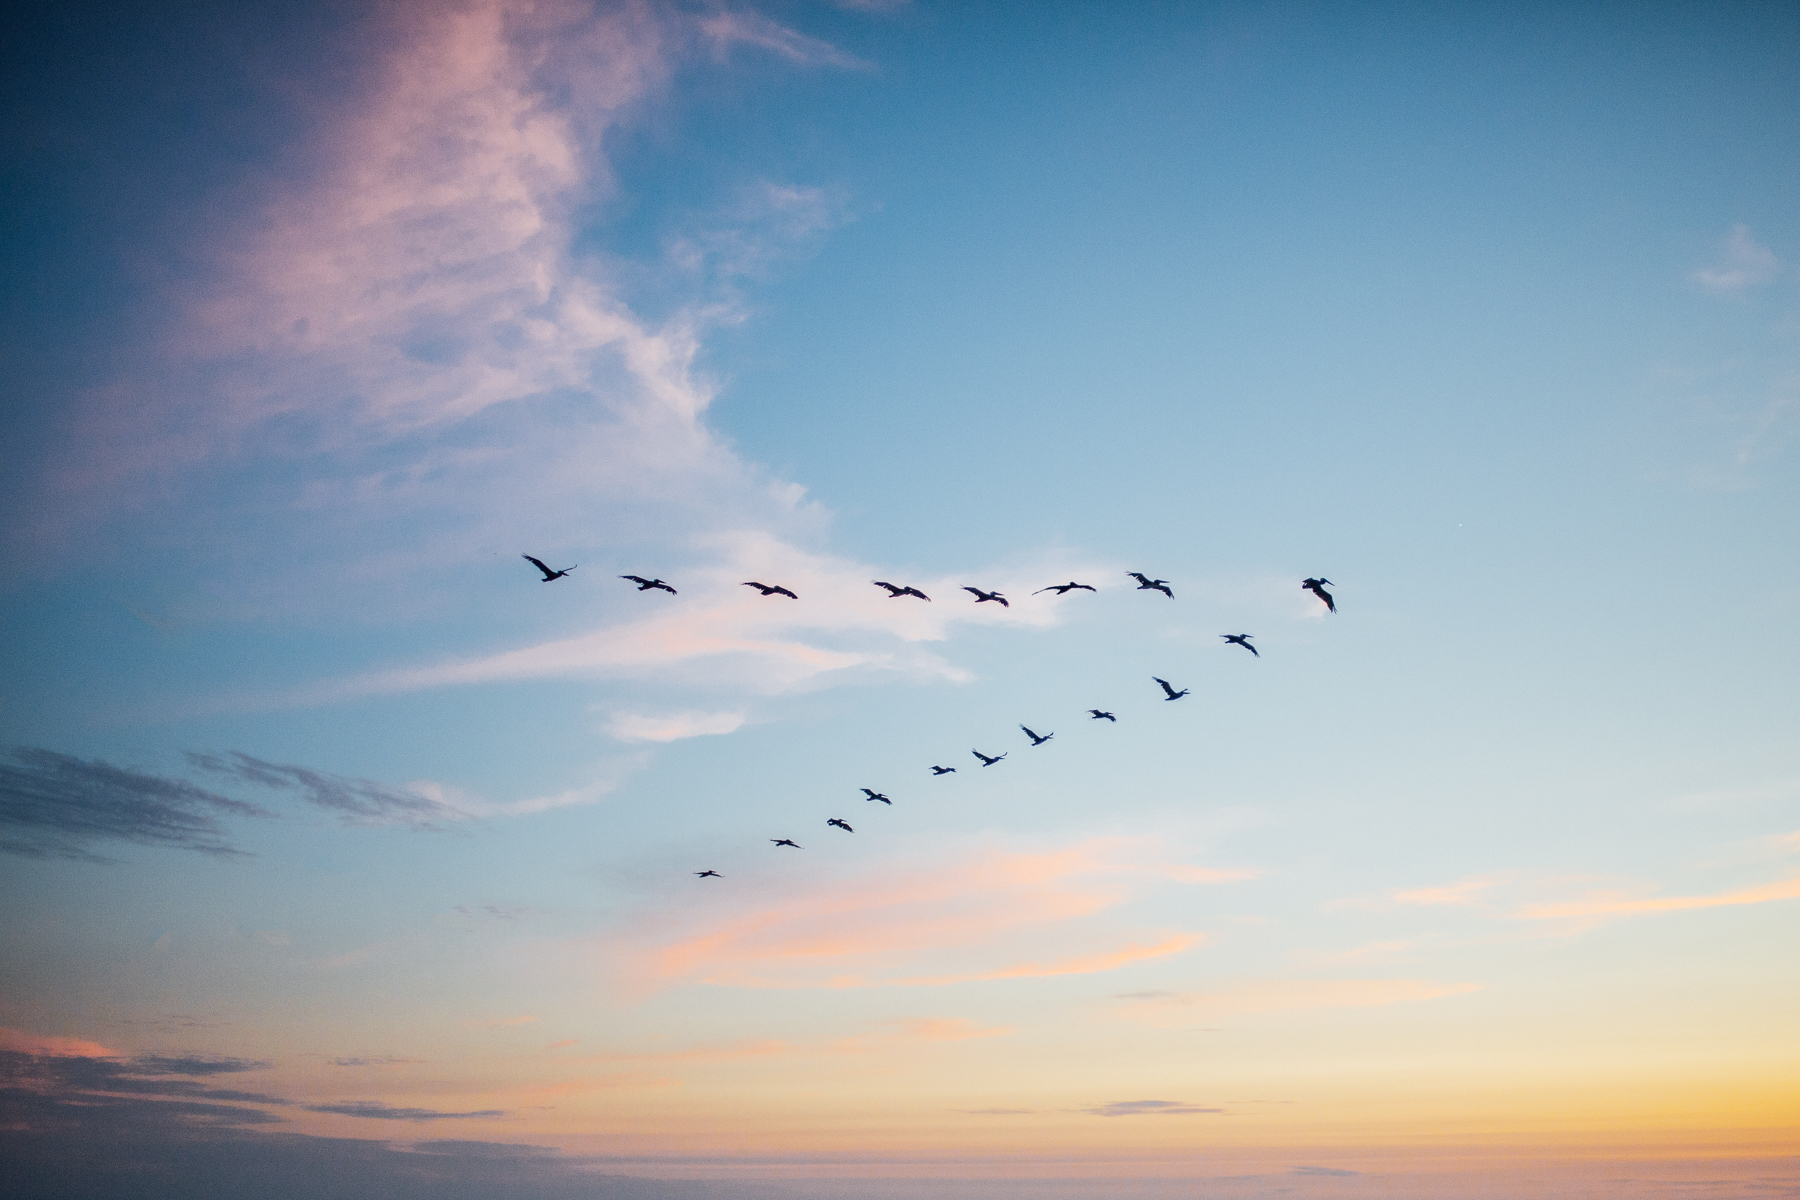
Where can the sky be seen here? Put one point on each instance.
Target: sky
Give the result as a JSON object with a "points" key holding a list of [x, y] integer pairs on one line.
{"points": [[345, 855]]}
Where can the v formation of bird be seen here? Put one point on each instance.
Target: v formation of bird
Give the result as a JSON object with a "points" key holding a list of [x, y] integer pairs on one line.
{"points": [[895, 592]]}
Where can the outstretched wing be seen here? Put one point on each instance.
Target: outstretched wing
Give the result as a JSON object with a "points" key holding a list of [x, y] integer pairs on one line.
{"points": [[979, 594], [783, 591], [539, 564], [913, 591], [637, 579]]}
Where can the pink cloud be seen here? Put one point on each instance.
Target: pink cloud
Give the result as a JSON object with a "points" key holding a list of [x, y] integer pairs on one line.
{"points": [[53, 1045], [1617, 906], [894, 922]]}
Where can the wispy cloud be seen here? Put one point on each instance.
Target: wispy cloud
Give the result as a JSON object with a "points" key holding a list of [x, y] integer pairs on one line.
{"points": [[726, 28], [1744, 264], [671, 727], [1285, 995], [357, 801], [1618, 905], [963, 915], [374, 1110], [1149, 1108], [55, 804]]}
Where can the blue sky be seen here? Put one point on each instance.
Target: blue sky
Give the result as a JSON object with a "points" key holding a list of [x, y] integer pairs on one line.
{"points": [[317, 320]]}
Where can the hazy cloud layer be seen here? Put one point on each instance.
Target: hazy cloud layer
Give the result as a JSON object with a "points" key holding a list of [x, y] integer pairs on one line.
{"points": [[383, 1112], [56, 804], [1148, 1108]]}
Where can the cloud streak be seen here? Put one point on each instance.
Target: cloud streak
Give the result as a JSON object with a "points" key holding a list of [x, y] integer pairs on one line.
{"points": [[57, 805], [356, 801]]}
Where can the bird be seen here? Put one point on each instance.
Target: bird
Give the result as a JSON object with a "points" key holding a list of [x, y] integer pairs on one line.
{"points": [[895, 591], [1241, 639], [981, 596], [709, 874], [869, 795], [1317, 588], [784, 842], [645, 585], [943, 770], [841, 824], [548, 573], [985, 760], [1035, 739], [1062, 588], [1103, 716], [767, 590], [1172, 693], [1146, 583]]}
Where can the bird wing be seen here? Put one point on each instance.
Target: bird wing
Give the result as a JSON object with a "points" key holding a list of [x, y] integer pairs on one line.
{"points": [[538, 563], [978, 592], [786, 593], [913, 591], [1086, 587], [761, 587], [636, 579], [665, 587]]}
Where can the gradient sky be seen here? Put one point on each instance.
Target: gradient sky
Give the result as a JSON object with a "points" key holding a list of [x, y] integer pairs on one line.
{"points": [[340, 850]]}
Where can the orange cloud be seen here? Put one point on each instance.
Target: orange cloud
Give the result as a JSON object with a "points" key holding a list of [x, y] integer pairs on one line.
{"points": [[20, 1042], [1287, 995], [1611, 907], [1085, 965]]}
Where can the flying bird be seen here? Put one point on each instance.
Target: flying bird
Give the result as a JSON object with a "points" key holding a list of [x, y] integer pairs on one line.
{"points": [[1103, 716], [1317, 588], [843, 825], [785, 842], [645, 585], [1035, 739], [1063, 588], [869, 795], [985, 760], [709, 874], [981, 596], [1172, 693], [895, 591], [943, 770], [767, 590], [1241, 639], [548, 573], [1145, 583]]}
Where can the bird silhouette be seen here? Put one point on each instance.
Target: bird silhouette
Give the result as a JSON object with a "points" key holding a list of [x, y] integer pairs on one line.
{"points": [[709, 874], [1035, 739], [1103, 716], [943, 770], [985, 760], [1317, 588], [1145, 583], [871, 795], [981, 596], [645, 585], [548, 573], [1062, 588], [786, 842], [767, 590], [1172, 693], [843, 825], [895, 591], [1240, 639]]}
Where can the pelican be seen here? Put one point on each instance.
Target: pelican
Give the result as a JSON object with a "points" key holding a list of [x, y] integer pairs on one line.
{"points": [[895, 591], [786, 842], [1172, 693], [1064, 588], [1145, 583], [1035, 739], [548, 573], [843, 825], [1240, 639], [1317, 588], [985, 760], [767, 590], [869, 795], [943, 770], [645, 585], [1103, 716], [709, 874], [980, 596]]}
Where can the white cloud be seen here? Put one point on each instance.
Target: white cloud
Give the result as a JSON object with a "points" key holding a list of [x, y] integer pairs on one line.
{"points": [[671, 727], [1746, 263]]}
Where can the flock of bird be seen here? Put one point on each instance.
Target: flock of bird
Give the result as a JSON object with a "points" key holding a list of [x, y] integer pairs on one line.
{"points": [[895, 592]]}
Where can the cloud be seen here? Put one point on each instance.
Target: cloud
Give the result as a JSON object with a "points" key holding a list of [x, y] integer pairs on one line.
{"points": [[897, 920], [1287, 995], [639, 727], [727, 28], [357, 801], [1612, 905], [193, 1064], [1148, 1108], [55, 804], [382, 1112], [1323, 1171], [377, 1061], [52, 1046], [1747, 264]]}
